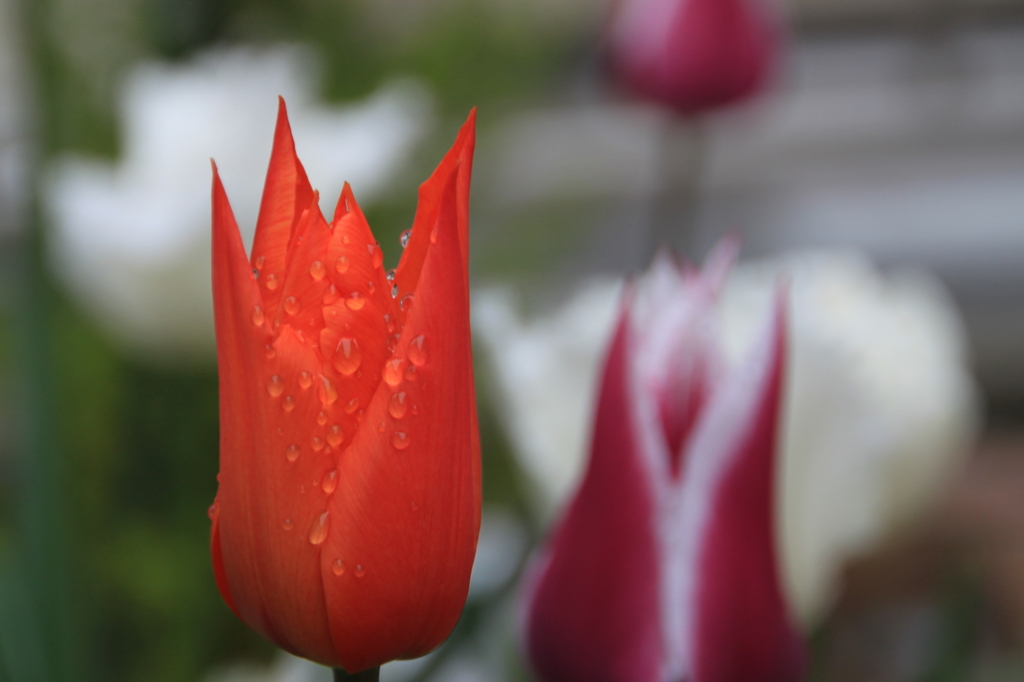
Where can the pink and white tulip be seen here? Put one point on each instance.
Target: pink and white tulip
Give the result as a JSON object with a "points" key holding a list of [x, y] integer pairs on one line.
{"points": [[664, 567], [693, 55]]}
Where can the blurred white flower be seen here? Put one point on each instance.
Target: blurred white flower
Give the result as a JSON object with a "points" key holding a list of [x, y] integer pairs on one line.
{"points": [[879, 409], [131, 239]]}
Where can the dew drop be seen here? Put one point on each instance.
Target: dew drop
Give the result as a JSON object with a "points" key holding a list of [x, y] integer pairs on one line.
{"points": [[345, 237], [288, 524], [275, 386], [393, 371], [397, 407], [269, 352], [381, 427], [335, 435], [318, 531], [355, 301], [400, 440], [347, 356], [272, 281], [318, 443], [305, 380], [391, 275], [404, 239], [302, 489], [376, 255], [394, 291], [390, 322], [317, 270], [321, 418], [417, 351], [291, 305], [433, 235], [410, 372], [370, 287], [330, 295], [330, 481], [351, 406], [360, 571], [414, 506], [288, 404], [292, 453], [338, 567], [405, 302], [257, 315], [415, 410], [259, 263], [327, 392], [212, 511]]}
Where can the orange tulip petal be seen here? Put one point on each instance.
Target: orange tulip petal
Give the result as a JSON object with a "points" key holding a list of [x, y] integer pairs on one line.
{"points": [[272, 573], [286, 195], [460, 160], [405, 515]]}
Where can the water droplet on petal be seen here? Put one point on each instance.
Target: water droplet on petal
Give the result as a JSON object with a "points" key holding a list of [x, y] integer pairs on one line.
{"points": [[330, 481], [404, 239], [259, 263], [321, 418], [291, 305], [376, 255], [302, 489], [355, 301], [393, 371], [318, 531], [390, 322], [212, 511], [405, 302], [292, 453], [327, 392], [317, 270], [381, 427], [415, 410], [351, 406], [335, 435], [417, 351], [410, 372], [288, 404], [433, 235], [318, 443], [394, 291], [399, 440], [397, 406], [370, 287], [257, 315], [271, 281], [305, 380], [414, 506], [269, 352], [275, 386], [330, 295], [391, 275], [347, 356], [360, 571], [288, 524], [338, 567]]}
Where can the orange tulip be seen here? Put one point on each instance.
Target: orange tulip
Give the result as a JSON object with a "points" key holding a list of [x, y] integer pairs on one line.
{"points": [[347, 513]]}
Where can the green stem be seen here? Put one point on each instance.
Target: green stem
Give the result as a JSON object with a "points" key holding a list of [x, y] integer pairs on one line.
{"points": [[369, 675]]}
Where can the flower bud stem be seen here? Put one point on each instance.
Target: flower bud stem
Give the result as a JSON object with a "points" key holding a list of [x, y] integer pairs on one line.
{"points": [[369, 675]]}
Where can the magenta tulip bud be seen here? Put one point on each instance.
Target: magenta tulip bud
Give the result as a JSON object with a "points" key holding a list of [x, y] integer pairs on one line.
{"points": [[693, 55], [664, 567]]}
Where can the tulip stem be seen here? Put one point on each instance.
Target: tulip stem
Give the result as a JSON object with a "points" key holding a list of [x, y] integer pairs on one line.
{"points": [[369, 675]]}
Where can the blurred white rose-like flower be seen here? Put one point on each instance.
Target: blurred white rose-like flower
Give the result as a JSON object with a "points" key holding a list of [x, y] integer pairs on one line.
{"points": [[131, 239], [879, 408]]}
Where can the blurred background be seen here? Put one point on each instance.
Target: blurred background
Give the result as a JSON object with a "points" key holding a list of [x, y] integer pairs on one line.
{"points": [[881, 165]]}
